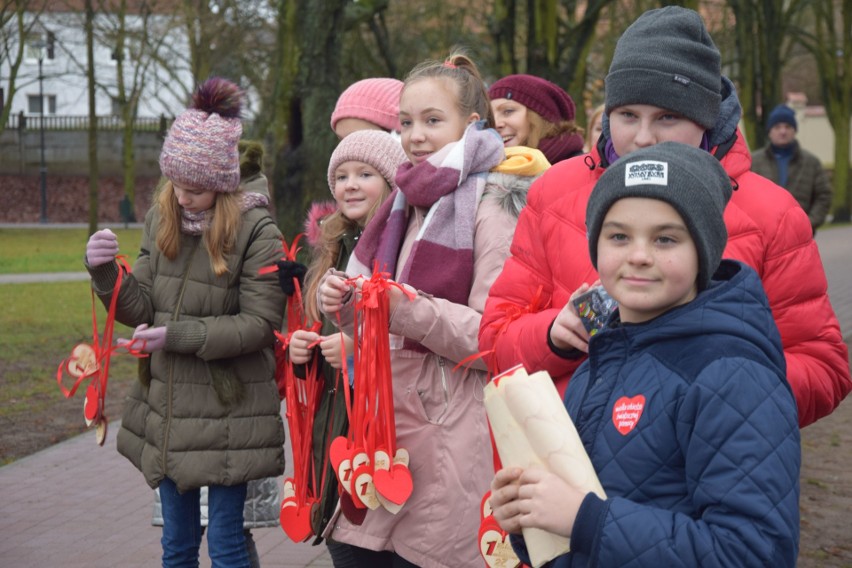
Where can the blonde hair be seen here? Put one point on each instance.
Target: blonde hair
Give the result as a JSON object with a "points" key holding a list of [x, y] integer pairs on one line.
{"points": [[541, 128], [220, 234], [327, 251], [590, 140], [459, 69]]}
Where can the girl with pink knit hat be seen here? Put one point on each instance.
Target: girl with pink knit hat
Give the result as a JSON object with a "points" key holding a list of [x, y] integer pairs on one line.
{"points": [[205, 411], [368, 104], [531, 111]]}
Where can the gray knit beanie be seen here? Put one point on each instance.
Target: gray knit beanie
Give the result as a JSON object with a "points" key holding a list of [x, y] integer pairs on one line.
{"points": [[689, 179], [667, 59], [374, 147]]}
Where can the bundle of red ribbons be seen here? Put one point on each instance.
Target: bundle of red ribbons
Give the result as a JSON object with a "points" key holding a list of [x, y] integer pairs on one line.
{"points": [[92, 362]]}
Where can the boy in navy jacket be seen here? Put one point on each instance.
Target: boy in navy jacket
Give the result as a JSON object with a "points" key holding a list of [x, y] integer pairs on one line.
{"points": [[683, 405]]}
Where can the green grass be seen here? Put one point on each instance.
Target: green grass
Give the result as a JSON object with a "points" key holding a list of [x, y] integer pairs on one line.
{"points": [[54, 250], [39, 326]]}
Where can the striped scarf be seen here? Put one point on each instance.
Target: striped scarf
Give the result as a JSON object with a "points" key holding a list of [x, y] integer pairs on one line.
{"points": [[450, 184]]}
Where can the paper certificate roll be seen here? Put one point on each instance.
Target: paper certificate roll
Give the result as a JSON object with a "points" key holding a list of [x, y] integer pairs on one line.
{"points": [[532, 428]]}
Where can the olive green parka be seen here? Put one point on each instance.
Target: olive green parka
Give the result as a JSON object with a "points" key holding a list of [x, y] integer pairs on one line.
{"points": [[206, 409]]}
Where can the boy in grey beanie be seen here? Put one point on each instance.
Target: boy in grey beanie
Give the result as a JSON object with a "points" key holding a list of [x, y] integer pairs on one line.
{"points": [[689, 179], [683, 380]]}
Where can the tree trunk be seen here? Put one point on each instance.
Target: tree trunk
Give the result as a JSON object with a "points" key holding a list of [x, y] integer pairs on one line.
{"points": [[300, 175], [93, 120]]}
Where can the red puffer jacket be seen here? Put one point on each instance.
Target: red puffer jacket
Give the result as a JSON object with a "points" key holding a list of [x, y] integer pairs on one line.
{"points": [[766, 229]]}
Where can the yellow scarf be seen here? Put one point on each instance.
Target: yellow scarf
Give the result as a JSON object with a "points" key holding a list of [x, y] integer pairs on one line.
{"points": [[522, 161]]}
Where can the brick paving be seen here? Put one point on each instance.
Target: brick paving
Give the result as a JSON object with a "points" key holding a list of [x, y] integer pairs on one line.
{"points": [[78, 505]]}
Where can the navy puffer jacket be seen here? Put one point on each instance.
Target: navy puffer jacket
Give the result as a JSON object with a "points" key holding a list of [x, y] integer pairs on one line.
{"points": [[692, 428]]}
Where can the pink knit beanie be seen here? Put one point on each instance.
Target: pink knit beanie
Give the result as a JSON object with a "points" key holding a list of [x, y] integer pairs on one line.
{"points": [[547, 99], [201, 148], [374, 147], [373, 100]]}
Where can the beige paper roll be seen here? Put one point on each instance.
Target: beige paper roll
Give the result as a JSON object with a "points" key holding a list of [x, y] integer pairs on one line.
{"points": [[532, 429]]}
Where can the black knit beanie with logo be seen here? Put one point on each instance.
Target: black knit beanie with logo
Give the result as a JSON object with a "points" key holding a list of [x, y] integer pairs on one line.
{"points": [[667, 59], [689, 179]]}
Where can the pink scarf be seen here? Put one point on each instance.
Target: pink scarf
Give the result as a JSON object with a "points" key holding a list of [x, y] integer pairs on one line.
{"points": [[195, 223]]}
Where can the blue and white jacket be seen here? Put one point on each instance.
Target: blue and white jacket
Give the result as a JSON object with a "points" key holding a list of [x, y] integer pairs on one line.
{"points": [[692, 428]]}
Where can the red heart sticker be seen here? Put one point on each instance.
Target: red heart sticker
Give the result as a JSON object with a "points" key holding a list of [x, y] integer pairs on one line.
{"points": [[627, 412], [295, 520], [394, 484]]}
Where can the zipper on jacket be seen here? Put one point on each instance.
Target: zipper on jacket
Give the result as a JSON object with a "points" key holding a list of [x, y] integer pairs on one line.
{"points": [[170, 383], [444, 387]]}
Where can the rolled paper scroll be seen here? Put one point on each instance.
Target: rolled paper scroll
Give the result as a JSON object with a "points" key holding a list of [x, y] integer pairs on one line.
{"points": [[532, 429]]}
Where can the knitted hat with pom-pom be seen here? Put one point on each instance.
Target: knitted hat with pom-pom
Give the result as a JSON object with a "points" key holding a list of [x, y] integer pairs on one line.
{"points": [[201, 148]]}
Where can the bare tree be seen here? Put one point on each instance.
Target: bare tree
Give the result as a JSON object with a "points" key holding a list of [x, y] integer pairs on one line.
{"points": [[830, 43], [14, 33], [93, 119]]}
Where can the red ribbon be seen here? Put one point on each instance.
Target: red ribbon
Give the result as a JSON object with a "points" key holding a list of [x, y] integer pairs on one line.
{"points": [[99, 354]]}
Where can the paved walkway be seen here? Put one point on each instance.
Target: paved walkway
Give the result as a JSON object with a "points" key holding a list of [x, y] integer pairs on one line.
{"points": [[78, 505]]}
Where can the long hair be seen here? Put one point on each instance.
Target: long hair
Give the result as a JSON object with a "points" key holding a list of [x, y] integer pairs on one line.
{"points": [[220, 235], [327, 251], [462, 72], [541, 128]]}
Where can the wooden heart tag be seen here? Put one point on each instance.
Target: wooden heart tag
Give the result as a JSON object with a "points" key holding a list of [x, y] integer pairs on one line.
{"points": [[495, 547], [296, 520], [83, 361], [394, 484], [627, 412], [352, 513], [91, 405]]}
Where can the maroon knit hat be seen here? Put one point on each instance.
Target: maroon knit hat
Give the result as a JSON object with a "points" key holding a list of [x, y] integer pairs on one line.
{"points": [[540, 95], [201, 149]]}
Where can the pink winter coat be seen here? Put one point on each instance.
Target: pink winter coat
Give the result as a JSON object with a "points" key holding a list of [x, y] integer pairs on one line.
{"points": [[440, 417], [767, 230]]}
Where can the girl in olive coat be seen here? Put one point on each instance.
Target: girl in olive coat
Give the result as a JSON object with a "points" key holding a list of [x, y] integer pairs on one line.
{"points": [[205, 410]]}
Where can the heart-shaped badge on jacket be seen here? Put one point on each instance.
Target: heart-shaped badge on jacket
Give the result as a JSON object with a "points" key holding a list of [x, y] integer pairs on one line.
{"points": [[627, 412]]}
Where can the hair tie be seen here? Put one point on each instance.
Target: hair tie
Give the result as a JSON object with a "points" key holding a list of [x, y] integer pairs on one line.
{"points": [[448, 63]]}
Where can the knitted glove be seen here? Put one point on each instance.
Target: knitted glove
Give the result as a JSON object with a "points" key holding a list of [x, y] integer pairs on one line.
{"points": [[101, 248], [287, 270], [150, 339]]}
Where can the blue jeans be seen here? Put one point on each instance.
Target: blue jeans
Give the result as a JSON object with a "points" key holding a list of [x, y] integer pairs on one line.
{"points": [[181, 540]]}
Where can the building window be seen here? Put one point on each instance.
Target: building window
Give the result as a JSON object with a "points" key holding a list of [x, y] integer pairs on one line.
{"points": [[34, 104], [117, 107], [40, 44]]}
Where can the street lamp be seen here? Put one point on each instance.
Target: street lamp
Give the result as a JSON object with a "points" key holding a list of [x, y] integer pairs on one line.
{"points": [[39, 45]]}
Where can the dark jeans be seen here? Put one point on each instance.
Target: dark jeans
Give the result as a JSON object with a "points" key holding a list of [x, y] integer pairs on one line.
{"points": [[348, 556], [181, 540]]}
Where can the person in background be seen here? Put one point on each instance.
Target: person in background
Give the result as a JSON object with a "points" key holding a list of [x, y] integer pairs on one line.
{"points": [[368, 104], [443, 215], [205, 410], [792, 167], [595, 128], [682, 406], [360, 177], [533, 112], [665, 84]]}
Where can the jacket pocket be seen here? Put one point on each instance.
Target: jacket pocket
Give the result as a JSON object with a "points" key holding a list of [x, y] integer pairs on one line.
{"points": [[432, 390]]}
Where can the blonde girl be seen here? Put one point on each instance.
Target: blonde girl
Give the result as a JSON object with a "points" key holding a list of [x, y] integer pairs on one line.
{"points": [[360, 176], [205, 410], [445, 237]]}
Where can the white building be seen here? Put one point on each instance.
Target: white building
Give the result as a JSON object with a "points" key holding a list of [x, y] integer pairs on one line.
{"points": [[155, 61]]}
